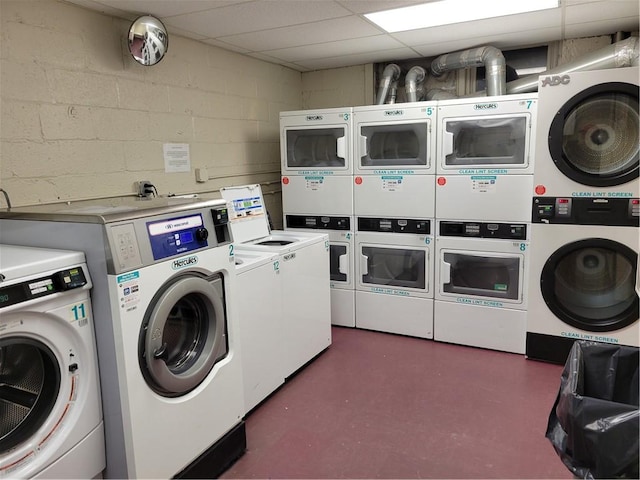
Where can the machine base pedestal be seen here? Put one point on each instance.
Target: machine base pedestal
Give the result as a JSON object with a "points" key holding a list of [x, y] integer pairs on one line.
{"points": [[220, 456]]}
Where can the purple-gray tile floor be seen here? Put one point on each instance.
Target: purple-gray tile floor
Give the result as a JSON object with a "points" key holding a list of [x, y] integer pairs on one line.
{"points": [[375, 405]]}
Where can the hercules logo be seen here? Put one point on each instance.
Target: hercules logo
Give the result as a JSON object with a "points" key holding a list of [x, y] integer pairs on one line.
{"points": [[184, 262], [555, 80]]}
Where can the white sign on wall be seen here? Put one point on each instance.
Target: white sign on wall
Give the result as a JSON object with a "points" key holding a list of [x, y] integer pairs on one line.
{"points": [[176, 157]]}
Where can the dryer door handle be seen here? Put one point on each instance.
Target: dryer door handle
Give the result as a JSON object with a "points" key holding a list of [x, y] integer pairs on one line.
{"points": [[447, 142], [343, 264], [445, 273], [363, 147], [364, 265], [341, 149]]}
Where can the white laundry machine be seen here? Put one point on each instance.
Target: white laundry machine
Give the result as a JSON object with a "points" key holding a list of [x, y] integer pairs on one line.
{"points": [[316, 163], [394, 152], [259, 293], [394, 275], [166, 327], [485, 158], [304, 267], [341, 260], [583, 274], [589, 133], [482, 278], [51, 423]]}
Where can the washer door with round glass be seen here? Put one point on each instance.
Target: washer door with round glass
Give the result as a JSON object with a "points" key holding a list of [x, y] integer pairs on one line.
{"points": [[590, 284], [183, 334], [593, 139], [29, 388]]}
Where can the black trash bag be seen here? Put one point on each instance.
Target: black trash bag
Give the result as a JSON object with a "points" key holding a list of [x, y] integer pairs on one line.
{"points": [[594, 423]]}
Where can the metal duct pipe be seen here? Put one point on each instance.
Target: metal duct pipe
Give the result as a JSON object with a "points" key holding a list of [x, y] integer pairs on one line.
{"points": [[492, 59], [415, 76], [390, 75], [619, 54]]}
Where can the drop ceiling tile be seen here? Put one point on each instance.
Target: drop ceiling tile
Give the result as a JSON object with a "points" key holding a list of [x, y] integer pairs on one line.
{"points": [[167, 8], [601, 10], [340, 48], [226, 46], [254, 16], [336, 29], [370, 6], [503, 41]]}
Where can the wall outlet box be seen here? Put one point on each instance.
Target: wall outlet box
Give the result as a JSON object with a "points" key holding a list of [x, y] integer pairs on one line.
{"points": [[202, 175], [144, 188]]}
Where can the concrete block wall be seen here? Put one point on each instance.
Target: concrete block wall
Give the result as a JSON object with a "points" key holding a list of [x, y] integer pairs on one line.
{"points": [[79, 118]]}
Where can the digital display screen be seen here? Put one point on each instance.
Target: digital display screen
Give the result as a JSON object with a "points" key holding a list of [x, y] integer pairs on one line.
{"points": [[175, 236]]}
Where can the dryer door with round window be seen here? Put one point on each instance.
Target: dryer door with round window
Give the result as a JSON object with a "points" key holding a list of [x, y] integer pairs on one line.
{"points": [[593, 139], [183, 334], [590, 284]]}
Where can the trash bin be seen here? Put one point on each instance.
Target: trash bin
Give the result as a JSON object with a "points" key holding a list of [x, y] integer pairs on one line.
{"points": [[594, 423]]}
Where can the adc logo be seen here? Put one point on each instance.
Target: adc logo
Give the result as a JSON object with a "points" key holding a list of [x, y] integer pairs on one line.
{"points": [[184, 262], [393, 113], [314, 118], [555, 80]]}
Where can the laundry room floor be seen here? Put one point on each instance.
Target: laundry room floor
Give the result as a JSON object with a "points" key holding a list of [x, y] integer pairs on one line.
{"points": [[376, 405]]}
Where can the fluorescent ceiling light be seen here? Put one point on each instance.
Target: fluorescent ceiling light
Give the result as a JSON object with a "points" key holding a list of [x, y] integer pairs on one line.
{"points": [[445, 12]]}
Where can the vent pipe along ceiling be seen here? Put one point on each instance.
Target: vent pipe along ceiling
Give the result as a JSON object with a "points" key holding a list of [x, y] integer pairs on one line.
{"points": [[415, 76], [490, 57], [388, 82], [619, 54]]}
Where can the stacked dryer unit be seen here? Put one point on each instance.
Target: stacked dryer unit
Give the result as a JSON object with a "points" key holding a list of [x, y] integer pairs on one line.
{"points": [[166, 326], [303, 266], [51, 424], [317, 192], [394, 206], [585, 213], [485, 164]]}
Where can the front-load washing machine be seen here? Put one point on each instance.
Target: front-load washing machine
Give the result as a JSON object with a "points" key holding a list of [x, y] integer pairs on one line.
{"points": [[485, 158], [482, 278], [394, 275], [166, 327], [341, 258], [583, 274], [51, 423], [304, 269], [259, 293], [588, 134]]}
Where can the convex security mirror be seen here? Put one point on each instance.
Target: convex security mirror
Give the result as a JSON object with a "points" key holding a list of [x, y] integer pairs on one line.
{"points": [[148, 40]]}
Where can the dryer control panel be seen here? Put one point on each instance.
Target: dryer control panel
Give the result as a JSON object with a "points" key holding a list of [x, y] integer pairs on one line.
{"points": [[612, 212], [503, 231]]}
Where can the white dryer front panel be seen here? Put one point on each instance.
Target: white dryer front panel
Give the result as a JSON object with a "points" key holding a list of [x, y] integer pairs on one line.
{"points": [[487, 133], [316, 141], [317, 193], [589, 134], [395, 194], [341, 259], [484, 197], [583, 283], [394, 137]]}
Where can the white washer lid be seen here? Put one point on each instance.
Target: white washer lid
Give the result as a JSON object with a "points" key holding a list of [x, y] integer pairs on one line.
{"points": [[18, 262], [247, 213]]}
